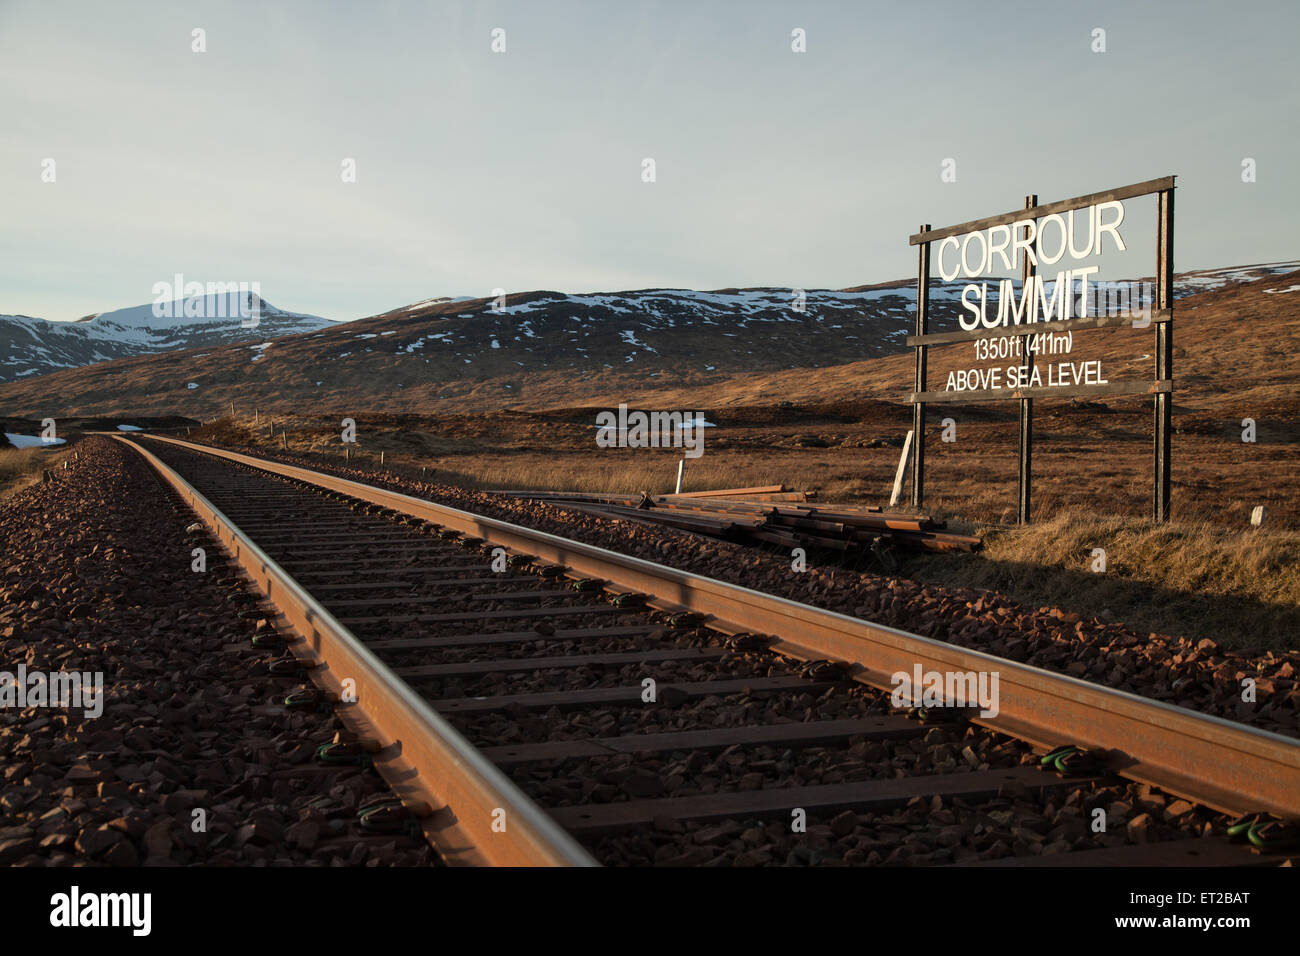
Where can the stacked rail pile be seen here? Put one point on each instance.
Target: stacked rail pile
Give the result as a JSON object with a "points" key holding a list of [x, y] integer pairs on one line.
{"points": [[772, 515]]}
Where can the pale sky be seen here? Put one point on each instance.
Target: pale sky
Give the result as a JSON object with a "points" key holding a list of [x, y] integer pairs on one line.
{"points": [[523, 170]]}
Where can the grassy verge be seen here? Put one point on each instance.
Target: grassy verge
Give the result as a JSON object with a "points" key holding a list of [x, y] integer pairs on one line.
{"points": [[657, 475], [1189, 579], [20, 467], [485, 466]]}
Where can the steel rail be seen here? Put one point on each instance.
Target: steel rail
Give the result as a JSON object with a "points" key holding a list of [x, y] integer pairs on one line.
{"points": [[1228, 766], [423, 757]]}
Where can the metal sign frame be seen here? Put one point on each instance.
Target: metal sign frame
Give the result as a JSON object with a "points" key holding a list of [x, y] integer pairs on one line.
{"points": [[1161, 317]]}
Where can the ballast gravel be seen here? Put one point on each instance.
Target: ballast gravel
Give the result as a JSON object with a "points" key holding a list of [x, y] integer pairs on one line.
{"points": [[194, 759]]}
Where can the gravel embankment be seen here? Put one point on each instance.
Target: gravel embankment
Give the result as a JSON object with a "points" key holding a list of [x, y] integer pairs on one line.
{"points": [[96, 577]]}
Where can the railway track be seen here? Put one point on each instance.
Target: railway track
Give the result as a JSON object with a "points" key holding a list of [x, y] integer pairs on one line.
{"points": [[539, 701]]}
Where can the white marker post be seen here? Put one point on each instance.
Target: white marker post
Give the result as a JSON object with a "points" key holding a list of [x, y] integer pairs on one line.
{"points": [[904, 464]]}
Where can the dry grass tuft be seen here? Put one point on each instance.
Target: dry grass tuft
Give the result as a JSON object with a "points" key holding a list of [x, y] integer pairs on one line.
{"points": [[1187, 578], [20, 467]]}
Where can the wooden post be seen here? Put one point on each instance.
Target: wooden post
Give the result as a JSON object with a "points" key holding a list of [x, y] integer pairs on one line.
{"points": [[348, 451], [1164, 353], [918, 409], [284, 438], [381, 457], [1027, 404], [257, 417], [681, 474], [900, 477], [232, 409]]}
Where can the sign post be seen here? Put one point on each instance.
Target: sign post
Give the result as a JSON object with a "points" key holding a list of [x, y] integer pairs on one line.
{"points": [[918, 407], [1164, 351], [1026, 404], [1040, 236]]}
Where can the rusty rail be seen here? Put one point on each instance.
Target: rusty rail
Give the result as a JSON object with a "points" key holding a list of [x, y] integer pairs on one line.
{"points": [[425, 759], [834, 526]]}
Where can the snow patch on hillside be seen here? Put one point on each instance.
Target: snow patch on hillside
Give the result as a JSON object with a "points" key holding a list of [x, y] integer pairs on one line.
{"points": [[442, 300]]}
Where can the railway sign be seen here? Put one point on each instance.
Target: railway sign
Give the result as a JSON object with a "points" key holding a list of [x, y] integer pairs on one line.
{"points": [[1012, 332]]}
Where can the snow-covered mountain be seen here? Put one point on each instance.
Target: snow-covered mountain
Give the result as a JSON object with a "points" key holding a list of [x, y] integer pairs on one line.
{"points": [[448, 346], [30, 346], [728, 329]]}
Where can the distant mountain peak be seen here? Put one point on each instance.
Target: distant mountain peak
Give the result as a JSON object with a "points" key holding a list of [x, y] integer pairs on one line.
{"points": [[31, 346]]}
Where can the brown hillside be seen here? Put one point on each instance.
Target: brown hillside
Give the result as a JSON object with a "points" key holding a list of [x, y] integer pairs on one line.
{"points": [[1232, 360]]}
